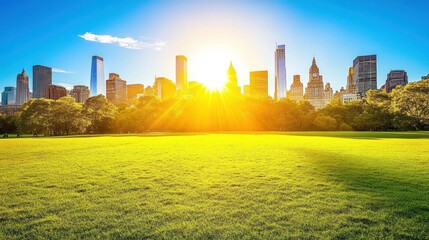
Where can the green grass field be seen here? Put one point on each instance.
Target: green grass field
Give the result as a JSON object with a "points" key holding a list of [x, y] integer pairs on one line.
{"points": [[223, 186]]}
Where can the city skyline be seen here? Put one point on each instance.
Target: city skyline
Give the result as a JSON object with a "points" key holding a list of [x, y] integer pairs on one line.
{"points": [[335, 33]]}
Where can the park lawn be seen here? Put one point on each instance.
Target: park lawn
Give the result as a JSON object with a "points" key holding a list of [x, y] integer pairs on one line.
{"points": [[224, 186]]}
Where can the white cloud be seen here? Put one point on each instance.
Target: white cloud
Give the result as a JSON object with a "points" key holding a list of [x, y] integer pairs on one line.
{"points": [[126, 42], [57, 70], [66, 85]]}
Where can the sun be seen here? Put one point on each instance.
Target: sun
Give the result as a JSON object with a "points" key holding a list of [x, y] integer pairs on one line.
{"points": [[209, 66]]}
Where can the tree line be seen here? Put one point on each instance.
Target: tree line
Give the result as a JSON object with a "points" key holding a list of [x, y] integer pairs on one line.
{"points": [[406, 108]]}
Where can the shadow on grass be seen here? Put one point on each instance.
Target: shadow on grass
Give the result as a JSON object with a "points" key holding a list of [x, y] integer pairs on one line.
{"points": [[362, 135]]}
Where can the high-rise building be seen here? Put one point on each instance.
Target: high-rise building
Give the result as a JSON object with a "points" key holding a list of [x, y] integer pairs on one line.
{"points": [[296, 91], [315, 91], [116, 89], [365, 73], [8, 96], [56, 92], [42, 78], [351, 91], [259, 84], [328, 93], [232, 84], [395, 78], [134, 91], [246, 90], [181, 73], [22, 90], [80, 93], [164, 88], [97, 84], [280, 73]]}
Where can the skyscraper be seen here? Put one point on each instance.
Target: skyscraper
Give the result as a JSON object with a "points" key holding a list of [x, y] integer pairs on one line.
{"points": [[351, 91], [80, 93], [181, 73], [395, 78], [296, 91], [42, 78], [365, 73], [22, 90], [259, 84], [232, 84], [315, 92], [164, 88], [8, 96], [116, 89], [97, 84], [56, 92], [280, 73]]}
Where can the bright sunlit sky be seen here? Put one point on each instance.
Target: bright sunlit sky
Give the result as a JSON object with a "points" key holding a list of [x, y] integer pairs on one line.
{"points": [[210, 34]]}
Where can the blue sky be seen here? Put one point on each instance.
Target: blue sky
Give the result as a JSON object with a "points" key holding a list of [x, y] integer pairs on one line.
{"points": [[335, 32]]}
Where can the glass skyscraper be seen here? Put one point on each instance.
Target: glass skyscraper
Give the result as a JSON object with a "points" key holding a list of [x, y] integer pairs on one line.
{"points": [[181, 73], [365, 73], [280, 74], [97, 84]]}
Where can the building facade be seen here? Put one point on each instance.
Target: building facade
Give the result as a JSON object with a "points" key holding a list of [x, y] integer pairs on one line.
{"points": [[22, 89], [181, 73], [351, 92], [232, 83], [395, 78], [80, 93], [315, 92], [42, 78], [280, 82], [97, 84], [365, 73], [8, 96], [259, 84], [164, 88], [134, 91], [116, 89], [296, 91], [56, 92]]}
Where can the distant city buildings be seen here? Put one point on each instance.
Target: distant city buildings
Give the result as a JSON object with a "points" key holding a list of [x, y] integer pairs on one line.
{"points": [[280, 83], [164, 88], [258, 86], [232, 83], [181, 73], [296, 91], [425, 77], [134, 91], [42, 78], [116, 89], [351, 92], [56, 92], [80, 93], [8, 96], [22, 89], [395, 78], [315, 92], [365, 73], [97, 84]]}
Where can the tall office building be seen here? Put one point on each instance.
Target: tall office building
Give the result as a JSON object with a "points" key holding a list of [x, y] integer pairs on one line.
{"points": [[8, 96], [232, 84], [395, 78], [134, 91], [365, 73], [56, 92], [280, 73], [259, 84], [315, 92], [80, 93], [42, 78], [181, 73], [351, 91], [116, 89], [296, 91], [22, 90], [97, 84], [164, 88]]}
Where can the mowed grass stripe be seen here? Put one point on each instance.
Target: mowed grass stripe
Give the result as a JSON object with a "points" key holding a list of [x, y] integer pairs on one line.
{"points": [[265, 185]]}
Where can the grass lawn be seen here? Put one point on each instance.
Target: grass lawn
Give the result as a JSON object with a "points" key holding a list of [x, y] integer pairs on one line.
{"points": [[225, 186]]}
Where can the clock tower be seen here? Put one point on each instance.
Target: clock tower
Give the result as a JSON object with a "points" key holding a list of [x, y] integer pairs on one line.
{"points": [[314, 92]]}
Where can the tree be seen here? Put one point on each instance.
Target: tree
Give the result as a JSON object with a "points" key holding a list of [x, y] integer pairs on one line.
{"points": [[325, 123], [34, 116], [413, 101], [66, 117], [100, 114]]}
